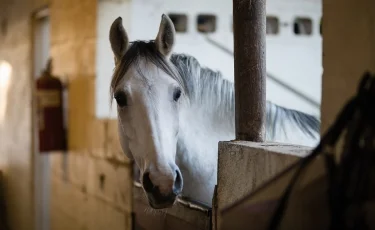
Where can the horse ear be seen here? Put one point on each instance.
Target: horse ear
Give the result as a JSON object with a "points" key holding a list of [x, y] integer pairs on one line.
{"points": [[166, 36], [118, 38]]}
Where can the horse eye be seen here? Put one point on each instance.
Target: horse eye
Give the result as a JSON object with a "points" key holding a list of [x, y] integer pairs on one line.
{"points": [[121, 99], [176, 94]]}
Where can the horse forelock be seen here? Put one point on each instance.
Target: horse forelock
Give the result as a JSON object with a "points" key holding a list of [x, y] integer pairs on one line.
{"points": [[147, 51]]}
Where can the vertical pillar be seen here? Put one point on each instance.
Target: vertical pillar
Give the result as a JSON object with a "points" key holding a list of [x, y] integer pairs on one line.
{"points": [[249, 22]]}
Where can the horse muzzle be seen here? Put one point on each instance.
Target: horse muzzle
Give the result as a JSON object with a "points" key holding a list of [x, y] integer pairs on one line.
{"points": [[158, 199]]}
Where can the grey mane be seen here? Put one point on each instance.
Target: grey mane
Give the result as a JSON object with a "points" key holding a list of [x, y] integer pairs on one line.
{"points": [[208, 88]]}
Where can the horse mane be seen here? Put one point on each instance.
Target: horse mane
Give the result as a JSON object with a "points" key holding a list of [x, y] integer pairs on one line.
{"points": [[205, 87], [208, 88]]}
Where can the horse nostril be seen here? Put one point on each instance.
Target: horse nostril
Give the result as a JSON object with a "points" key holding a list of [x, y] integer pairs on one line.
{"points": [[177, 183], [147, 183]]}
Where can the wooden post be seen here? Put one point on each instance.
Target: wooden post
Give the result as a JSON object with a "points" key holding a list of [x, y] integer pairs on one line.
{"points": [[249, 25]]}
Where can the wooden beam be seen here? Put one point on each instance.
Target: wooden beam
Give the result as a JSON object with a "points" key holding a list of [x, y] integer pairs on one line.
{"points": [[249, 24]]}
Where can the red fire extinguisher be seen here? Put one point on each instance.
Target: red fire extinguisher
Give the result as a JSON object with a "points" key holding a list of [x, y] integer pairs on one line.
{"points": [[49, 99]]}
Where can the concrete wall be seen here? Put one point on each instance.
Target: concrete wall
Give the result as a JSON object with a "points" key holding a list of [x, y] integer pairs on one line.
{"points": [[90, 185]]}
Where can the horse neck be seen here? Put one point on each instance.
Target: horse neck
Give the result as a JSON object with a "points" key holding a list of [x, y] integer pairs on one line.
{"points": [[211, 103], [214, 119], [205, 119]]}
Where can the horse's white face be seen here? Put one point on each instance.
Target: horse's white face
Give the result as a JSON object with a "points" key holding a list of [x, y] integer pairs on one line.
{"points": [[148, 116]]}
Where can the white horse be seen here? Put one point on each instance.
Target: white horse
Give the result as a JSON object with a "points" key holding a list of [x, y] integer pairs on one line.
{"points": [[172, 113]]}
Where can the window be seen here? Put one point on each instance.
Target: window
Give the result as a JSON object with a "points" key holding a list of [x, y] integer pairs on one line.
{"points": [[179, 21], [272, 25], [206, 23], [302, 26]]}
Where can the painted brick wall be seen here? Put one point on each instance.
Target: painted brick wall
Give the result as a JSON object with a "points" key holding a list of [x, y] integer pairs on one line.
{"points": [[89, 193], [90, 185]]}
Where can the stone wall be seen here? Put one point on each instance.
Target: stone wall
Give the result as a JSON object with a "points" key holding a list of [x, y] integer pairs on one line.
{"points": [[89, 193], [90, 184], [94, 178]]}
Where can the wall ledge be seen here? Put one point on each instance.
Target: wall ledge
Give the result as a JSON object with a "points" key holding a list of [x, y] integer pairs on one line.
{"points": [[185, 214], [275, 147], [243, 166]]}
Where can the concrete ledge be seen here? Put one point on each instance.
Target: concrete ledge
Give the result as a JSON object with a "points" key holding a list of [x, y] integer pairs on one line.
{"points": [[244, 166], [184, 215], [307, 208]]}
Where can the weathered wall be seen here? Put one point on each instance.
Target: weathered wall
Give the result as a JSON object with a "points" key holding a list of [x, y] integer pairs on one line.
{"points": [[348, 51], [90, 185]]}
